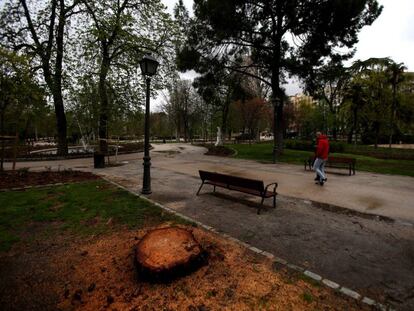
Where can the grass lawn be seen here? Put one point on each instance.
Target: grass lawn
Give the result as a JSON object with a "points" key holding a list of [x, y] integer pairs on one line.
{"points": [[81, 208], [263, 153]]}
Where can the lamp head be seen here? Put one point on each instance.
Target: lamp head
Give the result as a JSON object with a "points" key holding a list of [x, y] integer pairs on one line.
{"points": [[148, 65]]}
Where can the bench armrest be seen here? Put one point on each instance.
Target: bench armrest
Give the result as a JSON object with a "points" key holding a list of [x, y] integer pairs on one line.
{"points": [[275, 186]]}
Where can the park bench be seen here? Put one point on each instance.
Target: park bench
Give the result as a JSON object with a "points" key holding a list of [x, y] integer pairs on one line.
{"points": [[335, 162], [245, 185]]}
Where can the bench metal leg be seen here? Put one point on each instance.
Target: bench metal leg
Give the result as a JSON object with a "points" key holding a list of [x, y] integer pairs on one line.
{"points": [[200, 188], [260, 207], [214, 190], [274, 201]]}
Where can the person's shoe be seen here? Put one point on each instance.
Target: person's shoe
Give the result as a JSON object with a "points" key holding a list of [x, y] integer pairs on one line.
{"points": [[321, 182], [316, 178]]}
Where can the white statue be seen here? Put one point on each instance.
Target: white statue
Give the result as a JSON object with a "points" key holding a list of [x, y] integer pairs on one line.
{"points": [[219, 141]]}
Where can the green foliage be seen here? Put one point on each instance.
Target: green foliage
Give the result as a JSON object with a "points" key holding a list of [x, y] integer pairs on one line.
{"points": [[375, 100], [83, 208], [121, 32], [18, 86], [310, 145], [307, 297], [39, 29], [251, 38], [186, 111], [22, 100]]}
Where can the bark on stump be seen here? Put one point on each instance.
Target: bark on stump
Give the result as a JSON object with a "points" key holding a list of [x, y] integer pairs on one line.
{"points": [[166, 253]]}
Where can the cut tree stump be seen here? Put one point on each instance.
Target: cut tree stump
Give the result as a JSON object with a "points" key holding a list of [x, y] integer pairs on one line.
{"points": [[166, 253]]}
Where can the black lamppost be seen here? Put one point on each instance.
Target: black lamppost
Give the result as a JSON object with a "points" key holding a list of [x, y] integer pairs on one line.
{"points": [[148, 66]]}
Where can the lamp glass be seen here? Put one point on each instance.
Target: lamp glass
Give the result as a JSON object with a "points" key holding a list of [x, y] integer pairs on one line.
{"points": [[148, 65]]}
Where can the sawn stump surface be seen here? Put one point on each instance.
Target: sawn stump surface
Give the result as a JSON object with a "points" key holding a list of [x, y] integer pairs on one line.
{"points": [[166, 249]]}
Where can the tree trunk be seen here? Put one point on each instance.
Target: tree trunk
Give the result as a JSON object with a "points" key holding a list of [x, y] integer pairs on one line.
{"points": [[393, 106], [277, 102], [57, 85], [2, 138], [224, 117], [350, 135], [277, 97], [178, 130], [104, 103], [377, 131], [53, 81], [335, 121], [166, 253]]}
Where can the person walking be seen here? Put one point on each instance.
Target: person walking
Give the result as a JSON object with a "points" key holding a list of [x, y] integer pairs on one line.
{"points": [[321, 156]]}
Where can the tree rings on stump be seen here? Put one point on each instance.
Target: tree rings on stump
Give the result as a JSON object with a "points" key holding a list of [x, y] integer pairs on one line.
{"points": [[166, 253]]}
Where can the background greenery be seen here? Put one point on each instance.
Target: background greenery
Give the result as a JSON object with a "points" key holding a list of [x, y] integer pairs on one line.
{"points": [[365, 156]]}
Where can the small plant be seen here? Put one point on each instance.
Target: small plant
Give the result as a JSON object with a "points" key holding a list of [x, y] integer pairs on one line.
{"points": [[67, 171], [307, 297], [23, 172], [211, 293]]}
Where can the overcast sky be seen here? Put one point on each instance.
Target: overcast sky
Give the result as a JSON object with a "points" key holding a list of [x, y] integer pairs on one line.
{"points": [[391, 35]]}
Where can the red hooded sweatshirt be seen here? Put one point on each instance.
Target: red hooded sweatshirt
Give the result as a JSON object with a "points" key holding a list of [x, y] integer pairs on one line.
{"points": [[322, 147]]}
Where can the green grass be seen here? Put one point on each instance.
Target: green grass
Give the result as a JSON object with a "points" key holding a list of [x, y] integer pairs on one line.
{"points": [[307, 297], [263, 153], [81, 208]]}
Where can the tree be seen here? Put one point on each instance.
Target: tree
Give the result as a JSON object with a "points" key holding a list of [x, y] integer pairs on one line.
{"points": [[182, 19], [405, 111], [396, 73], [19, 91], [120, 32], [250, 113], [219, 88], [355, 100], [328, 83], [184, 109], [279, 36], [372, 73], [84, 106], [40, 32]]}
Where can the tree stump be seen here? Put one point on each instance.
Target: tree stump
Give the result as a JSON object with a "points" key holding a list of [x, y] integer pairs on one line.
{"points": [[166, 253]]}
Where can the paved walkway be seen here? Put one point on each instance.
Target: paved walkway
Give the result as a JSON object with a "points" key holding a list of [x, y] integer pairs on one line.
{"points": [[372, 256], [386, 195]]}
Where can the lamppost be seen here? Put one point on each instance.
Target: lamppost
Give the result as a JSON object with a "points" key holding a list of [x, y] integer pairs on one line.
{"points": [[148, 66]]}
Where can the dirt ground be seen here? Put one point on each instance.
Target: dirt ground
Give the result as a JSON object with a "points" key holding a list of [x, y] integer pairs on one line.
{"points": [[99, 274], [22, 178]]}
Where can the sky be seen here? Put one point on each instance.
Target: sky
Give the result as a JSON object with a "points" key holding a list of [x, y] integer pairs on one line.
{"points": [[391, 35]]}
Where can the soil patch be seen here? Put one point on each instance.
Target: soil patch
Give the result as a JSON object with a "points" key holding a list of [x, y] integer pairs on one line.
{"points": [[99, 273], [350, 212], [23, 178]]}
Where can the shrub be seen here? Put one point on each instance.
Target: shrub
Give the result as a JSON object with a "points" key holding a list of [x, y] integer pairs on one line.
{"points": [[300, 145], [310, 145]]}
